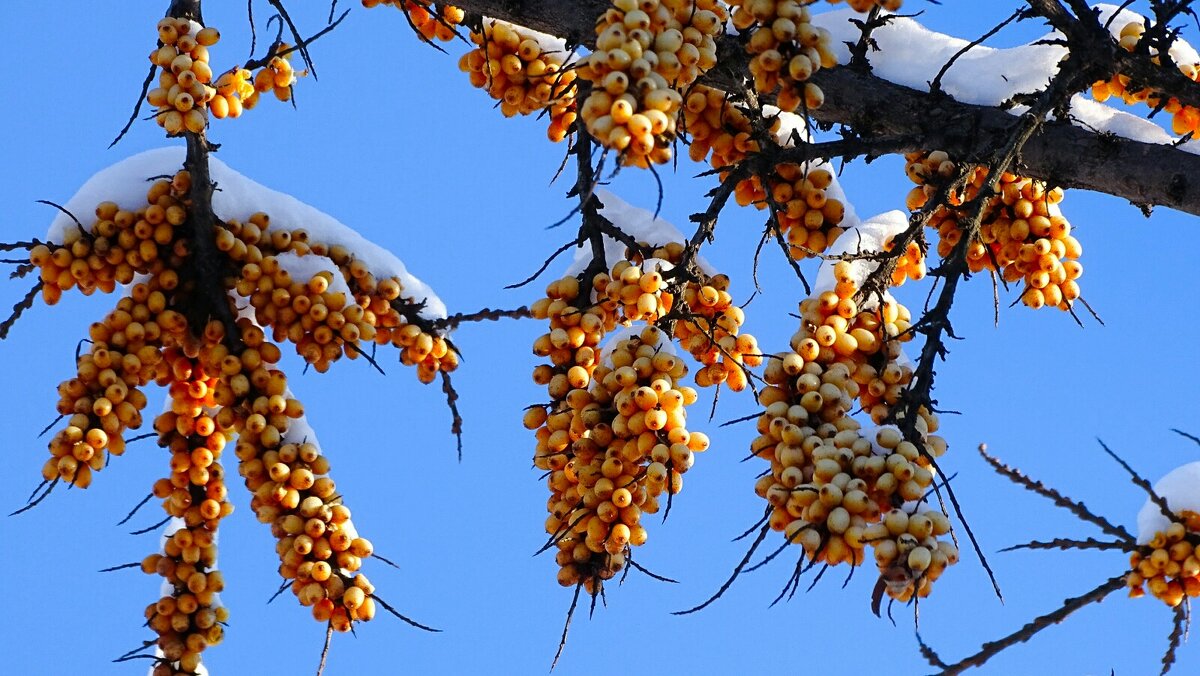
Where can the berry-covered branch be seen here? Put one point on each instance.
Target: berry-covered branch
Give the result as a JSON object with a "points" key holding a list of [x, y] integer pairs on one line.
{"points": [[1065, 155]]}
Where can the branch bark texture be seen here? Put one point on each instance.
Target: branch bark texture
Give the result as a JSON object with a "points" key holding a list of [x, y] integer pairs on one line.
{"points": [[1063, 154]]}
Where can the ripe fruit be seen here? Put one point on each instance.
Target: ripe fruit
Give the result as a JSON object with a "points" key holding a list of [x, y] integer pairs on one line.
{"points": [[431, 25], [184, 89], [646, 55], [524, 71], [1023, 234]]}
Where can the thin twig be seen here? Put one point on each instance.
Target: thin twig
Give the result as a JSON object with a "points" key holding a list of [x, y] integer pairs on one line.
{"points": [[456, 420], [1141, 483], [1077, 508], [562, 642], [325, 649], [151, 527], [135, 509], [137, 106], [1176, 637], [408, 620], [123, 566], [762, 534], [1068, 543], [642, 569], [34, 502], [989, 650]]}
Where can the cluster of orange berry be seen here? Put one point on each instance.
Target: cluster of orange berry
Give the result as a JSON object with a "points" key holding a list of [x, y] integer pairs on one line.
{"points": [[1184, 119], [120, 245], [332, 311], [786, 50], [613, 450], [1170, 563], [223, 388], [834, 488], [305, 312], [189, 618], [431, 23], [720, 131], [634, 292], [183, 91], [646, 54], [319, 549], [808, 217], [909, 265], [186, 618], [710, 325], [238, 89], [1023, 233], [103, 399], [520, 69]]}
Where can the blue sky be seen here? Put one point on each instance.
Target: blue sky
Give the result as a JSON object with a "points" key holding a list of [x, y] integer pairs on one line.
{"points": [[393, 141]]}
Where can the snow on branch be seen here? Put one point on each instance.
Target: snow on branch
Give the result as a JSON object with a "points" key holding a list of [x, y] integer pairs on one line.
{"points": [[1112, 152], [237, 198]]}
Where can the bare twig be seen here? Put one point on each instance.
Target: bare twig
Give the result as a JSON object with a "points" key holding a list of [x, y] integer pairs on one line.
{"points": [[1027, 632], [456, 420], [325, 649], [405, 619], [762, 534], [562, 642], [1077, 508]]}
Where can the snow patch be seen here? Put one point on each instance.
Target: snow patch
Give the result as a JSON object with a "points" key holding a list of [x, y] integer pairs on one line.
{"points": [[638, 223], [1181, 489], [237, 198], [867, 237], [912, 55], [663, 344]]}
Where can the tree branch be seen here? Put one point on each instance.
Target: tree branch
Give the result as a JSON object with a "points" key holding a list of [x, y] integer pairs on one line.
{"points": [[1061, 154]]}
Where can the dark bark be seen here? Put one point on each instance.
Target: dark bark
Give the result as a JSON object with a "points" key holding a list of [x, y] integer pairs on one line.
{"points": [[1066, 155]]}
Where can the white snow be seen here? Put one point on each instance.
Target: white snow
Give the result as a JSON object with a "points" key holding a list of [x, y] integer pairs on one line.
{"points": [[864, 238], [911, 55], [640, 224], [664, 343], [1181, 489], [1181, 52], [304, 268], [549, 44], [237, 198], [793, 127]]}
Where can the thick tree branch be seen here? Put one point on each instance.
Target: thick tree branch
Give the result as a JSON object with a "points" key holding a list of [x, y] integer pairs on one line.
{"points": [[1062, 154]]}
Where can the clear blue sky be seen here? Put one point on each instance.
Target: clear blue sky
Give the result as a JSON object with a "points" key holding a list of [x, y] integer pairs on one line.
{"points": [[394, 141]]}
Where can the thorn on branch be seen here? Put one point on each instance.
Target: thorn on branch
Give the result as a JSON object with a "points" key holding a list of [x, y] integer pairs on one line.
{"points": [[762, 534], [135, 509], [152, 527], [403, 618], [1077, 508], [562, 642], [137, 106], [33, 502], [456, 421]]}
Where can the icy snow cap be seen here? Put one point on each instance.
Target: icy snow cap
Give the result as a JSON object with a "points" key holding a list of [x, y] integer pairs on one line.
{"points": [[304, 268], [640, 224], [238, 198], [549, 44], [911, 55], [664, 343], [867, 237], [1181, 489]]}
